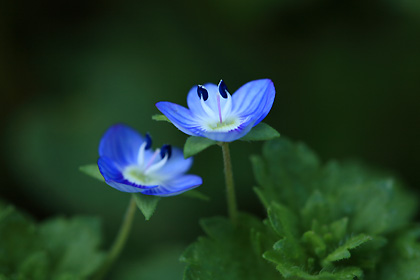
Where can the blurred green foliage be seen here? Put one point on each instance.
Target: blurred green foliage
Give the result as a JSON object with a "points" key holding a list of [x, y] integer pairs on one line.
{"points": [[326, 222], [58, 248]]}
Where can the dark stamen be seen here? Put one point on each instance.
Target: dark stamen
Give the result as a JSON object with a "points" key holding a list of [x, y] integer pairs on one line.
{"points": [[166, 150], [148, 141], [202, 92], [223, 89]]}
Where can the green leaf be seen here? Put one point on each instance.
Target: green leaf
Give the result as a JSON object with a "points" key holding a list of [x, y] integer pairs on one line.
{"points": [[93, 171], [290, 271], [160, 117], [402, 256], [73, 245], [339, 228], [36, 265], [284, 221], [343, 252], [228, 252], [18, 235], [261, 132], [316, 243], [146, 203], [288, 174], [285, 224], [196, 194], [334, 220], [195, 144], [54, 249]]}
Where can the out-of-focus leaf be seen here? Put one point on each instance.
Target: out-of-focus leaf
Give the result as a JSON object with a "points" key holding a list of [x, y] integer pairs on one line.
{"points": [[73, 245], [332, 221], [54, 249], [402, 257]]}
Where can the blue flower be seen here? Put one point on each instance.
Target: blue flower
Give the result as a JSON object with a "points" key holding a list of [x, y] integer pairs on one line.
{"points": [[215, 114], [127, 163]]}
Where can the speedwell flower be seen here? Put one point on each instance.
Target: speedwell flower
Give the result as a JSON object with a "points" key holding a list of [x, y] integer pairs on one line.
{"points": [[128, 163], [215, 114]]}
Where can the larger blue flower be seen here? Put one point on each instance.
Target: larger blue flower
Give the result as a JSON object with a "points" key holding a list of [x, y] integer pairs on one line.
{"points": [[127, 163], [215, 114]]}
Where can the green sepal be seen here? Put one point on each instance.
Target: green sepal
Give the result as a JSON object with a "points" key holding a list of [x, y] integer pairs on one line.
{"points": [[146, 204], [160, 118], [93, 171], [196, 194], [261, 132], [195, 144]]}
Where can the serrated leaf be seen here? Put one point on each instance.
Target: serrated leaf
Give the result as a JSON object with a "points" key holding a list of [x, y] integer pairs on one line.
{"points": [[343, 252], [291, 271], [285, 224], [288, 174], [330, 202], [93, 171], [316, 243], [195, 144], [261, 132], [339, 228], [196, 194], [146, 203], [284, 221], [228, 252], [160, 117], [261, 196]]}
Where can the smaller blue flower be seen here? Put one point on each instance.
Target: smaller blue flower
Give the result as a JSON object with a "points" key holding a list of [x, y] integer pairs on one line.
{"points": [[215, 114], [128, 163]]}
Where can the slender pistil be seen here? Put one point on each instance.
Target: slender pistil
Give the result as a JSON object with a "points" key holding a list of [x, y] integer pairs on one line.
{"points": [[152, 159], [218, 108]]}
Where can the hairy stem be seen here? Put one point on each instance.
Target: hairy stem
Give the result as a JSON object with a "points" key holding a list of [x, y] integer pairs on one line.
{"points": [[119, 241], [230, 187]]}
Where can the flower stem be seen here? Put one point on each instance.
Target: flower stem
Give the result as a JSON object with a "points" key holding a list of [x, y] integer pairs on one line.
{"points": [[230, 187], [119, 241]]}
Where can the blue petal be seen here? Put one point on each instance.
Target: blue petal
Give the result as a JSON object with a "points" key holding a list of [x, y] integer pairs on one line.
{"points": [[176, 186], [121, 144], [254, 99], [180, 117], [113, 177], [176, 165]]}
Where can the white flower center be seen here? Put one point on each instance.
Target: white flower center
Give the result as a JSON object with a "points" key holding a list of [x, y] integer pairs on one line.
{"points": [[145, 172], [227, 125], [220, 118]]}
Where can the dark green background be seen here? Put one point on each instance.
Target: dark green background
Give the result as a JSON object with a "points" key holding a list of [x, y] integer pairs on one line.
{"points": [[346, 75]]}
